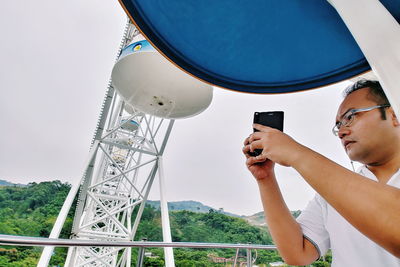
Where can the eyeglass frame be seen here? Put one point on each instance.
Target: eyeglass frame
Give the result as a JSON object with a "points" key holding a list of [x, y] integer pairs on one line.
{"points": [[352, 113]]}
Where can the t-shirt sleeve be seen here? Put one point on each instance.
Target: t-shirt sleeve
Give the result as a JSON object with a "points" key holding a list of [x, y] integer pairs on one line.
{"points": [[312, 223]]}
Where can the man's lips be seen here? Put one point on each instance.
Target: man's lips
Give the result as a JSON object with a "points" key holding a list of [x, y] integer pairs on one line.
{"points": [[347, 142]]}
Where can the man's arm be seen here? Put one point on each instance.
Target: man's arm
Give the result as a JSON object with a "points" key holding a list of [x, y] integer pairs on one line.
{"points": [[371, 207], [285, 231]]}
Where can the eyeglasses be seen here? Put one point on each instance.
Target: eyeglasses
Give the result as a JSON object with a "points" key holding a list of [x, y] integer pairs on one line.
{"points": [[348, 117]]}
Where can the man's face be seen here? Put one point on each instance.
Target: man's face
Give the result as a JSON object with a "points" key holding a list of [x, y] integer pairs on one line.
{"points": [[367, 138]]}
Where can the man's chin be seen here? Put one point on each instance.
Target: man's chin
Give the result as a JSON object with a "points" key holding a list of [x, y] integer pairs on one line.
{"points": [[355, 157], [351, 154]]}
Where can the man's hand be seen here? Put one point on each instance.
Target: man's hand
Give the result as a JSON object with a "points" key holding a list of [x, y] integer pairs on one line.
{"points": [[260, 169], [285, 231], [276, 146]]}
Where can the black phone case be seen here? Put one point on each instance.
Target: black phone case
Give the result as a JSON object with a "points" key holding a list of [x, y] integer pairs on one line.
{"points": [[273, 119]]}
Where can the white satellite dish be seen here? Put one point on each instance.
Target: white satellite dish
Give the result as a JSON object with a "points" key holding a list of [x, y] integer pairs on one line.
{"points": [[151, 84]]}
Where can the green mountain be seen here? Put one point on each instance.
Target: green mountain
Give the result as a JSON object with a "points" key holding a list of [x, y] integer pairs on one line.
{"points": [[258, 219], [7, 183], [32, 211], [189, 205]]}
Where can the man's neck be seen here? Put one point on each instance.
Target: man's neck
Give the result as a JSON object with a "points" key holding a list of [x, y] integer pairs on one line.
{"points": [[385, 170]]}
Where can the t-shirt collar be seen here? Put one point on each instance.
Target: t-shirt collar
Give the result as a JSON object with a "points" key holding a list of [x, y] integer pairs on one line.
{"points": [[364, 171]]}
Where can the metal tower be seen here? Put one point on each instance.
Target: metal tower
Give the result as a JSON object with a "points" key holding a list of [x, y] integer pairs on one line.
{"points": [[125, 156], [126, 159]]}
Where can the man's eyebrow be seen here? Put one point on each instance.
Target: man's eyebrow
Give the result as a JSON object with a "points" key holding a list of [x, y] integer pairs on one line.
{"points": [[344, 113]]}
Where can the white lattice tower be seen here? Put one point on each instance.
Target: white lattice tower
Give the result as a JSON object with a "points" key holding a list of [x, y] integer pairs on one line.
{"points": [[124, 158], [123, 178]]}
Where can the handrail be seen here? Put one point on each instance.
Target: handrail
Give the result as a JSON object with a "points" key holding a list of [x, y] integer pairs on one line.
{"points": [[13, 240]]}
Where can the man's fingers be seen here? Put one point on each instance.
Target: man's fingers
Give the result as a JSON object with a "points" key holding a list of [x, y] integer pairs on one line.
{"points": [[250, 161], [261, 158], [246, 141], [256, 145], [254, 136], [246, 151], [261, 128], [254, 160], [258, 135]]}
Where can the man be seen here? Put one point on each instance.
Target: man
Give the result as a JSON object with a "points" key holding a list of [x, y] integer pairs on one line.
{"points": [[355, 215]]}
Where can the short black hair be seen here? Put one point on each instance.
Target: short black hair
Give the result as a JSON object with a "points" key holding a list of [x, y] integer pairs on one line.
{"points": [[376, 92]]}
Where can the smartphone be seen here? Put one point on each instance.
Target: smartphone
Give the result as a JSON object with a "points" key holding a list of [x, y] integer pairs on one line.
{"points": [[273, 119]]}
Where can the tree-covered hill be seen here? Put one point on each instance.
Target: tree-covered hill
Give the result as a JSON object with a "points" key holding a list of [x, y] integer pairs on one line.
{"points": [[33, 209], [189, 205], [7, 183], [210, 227], [258, 218]]}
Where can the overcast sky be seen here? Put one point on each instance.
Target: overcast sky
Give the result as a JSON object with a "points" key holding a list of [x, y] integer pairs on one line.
{"points": [[56, 60]]}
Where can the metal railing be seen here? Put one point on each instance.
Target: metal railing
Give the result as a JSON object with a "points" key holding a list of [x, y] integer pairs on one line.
{"points": [[12, 240]]}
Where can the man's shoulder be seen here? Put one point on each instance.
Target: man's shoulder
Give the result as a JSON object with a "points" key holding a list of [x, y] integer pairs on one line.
{"points": [[318, 199]]}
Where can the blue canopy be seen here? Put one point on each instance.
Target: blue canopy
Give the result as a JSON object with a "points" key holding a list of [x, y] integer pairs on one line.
{"points": [[259, 46]]}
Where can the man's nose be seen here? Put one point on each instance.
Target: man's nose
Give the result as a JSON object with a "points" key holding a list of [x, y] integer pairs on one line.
{"points": [[343, 131]]}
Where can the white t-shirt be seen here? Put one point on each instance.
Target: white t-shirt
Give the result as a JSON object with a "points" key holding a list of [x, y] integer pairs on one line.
{"points": [[323, 226]]}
